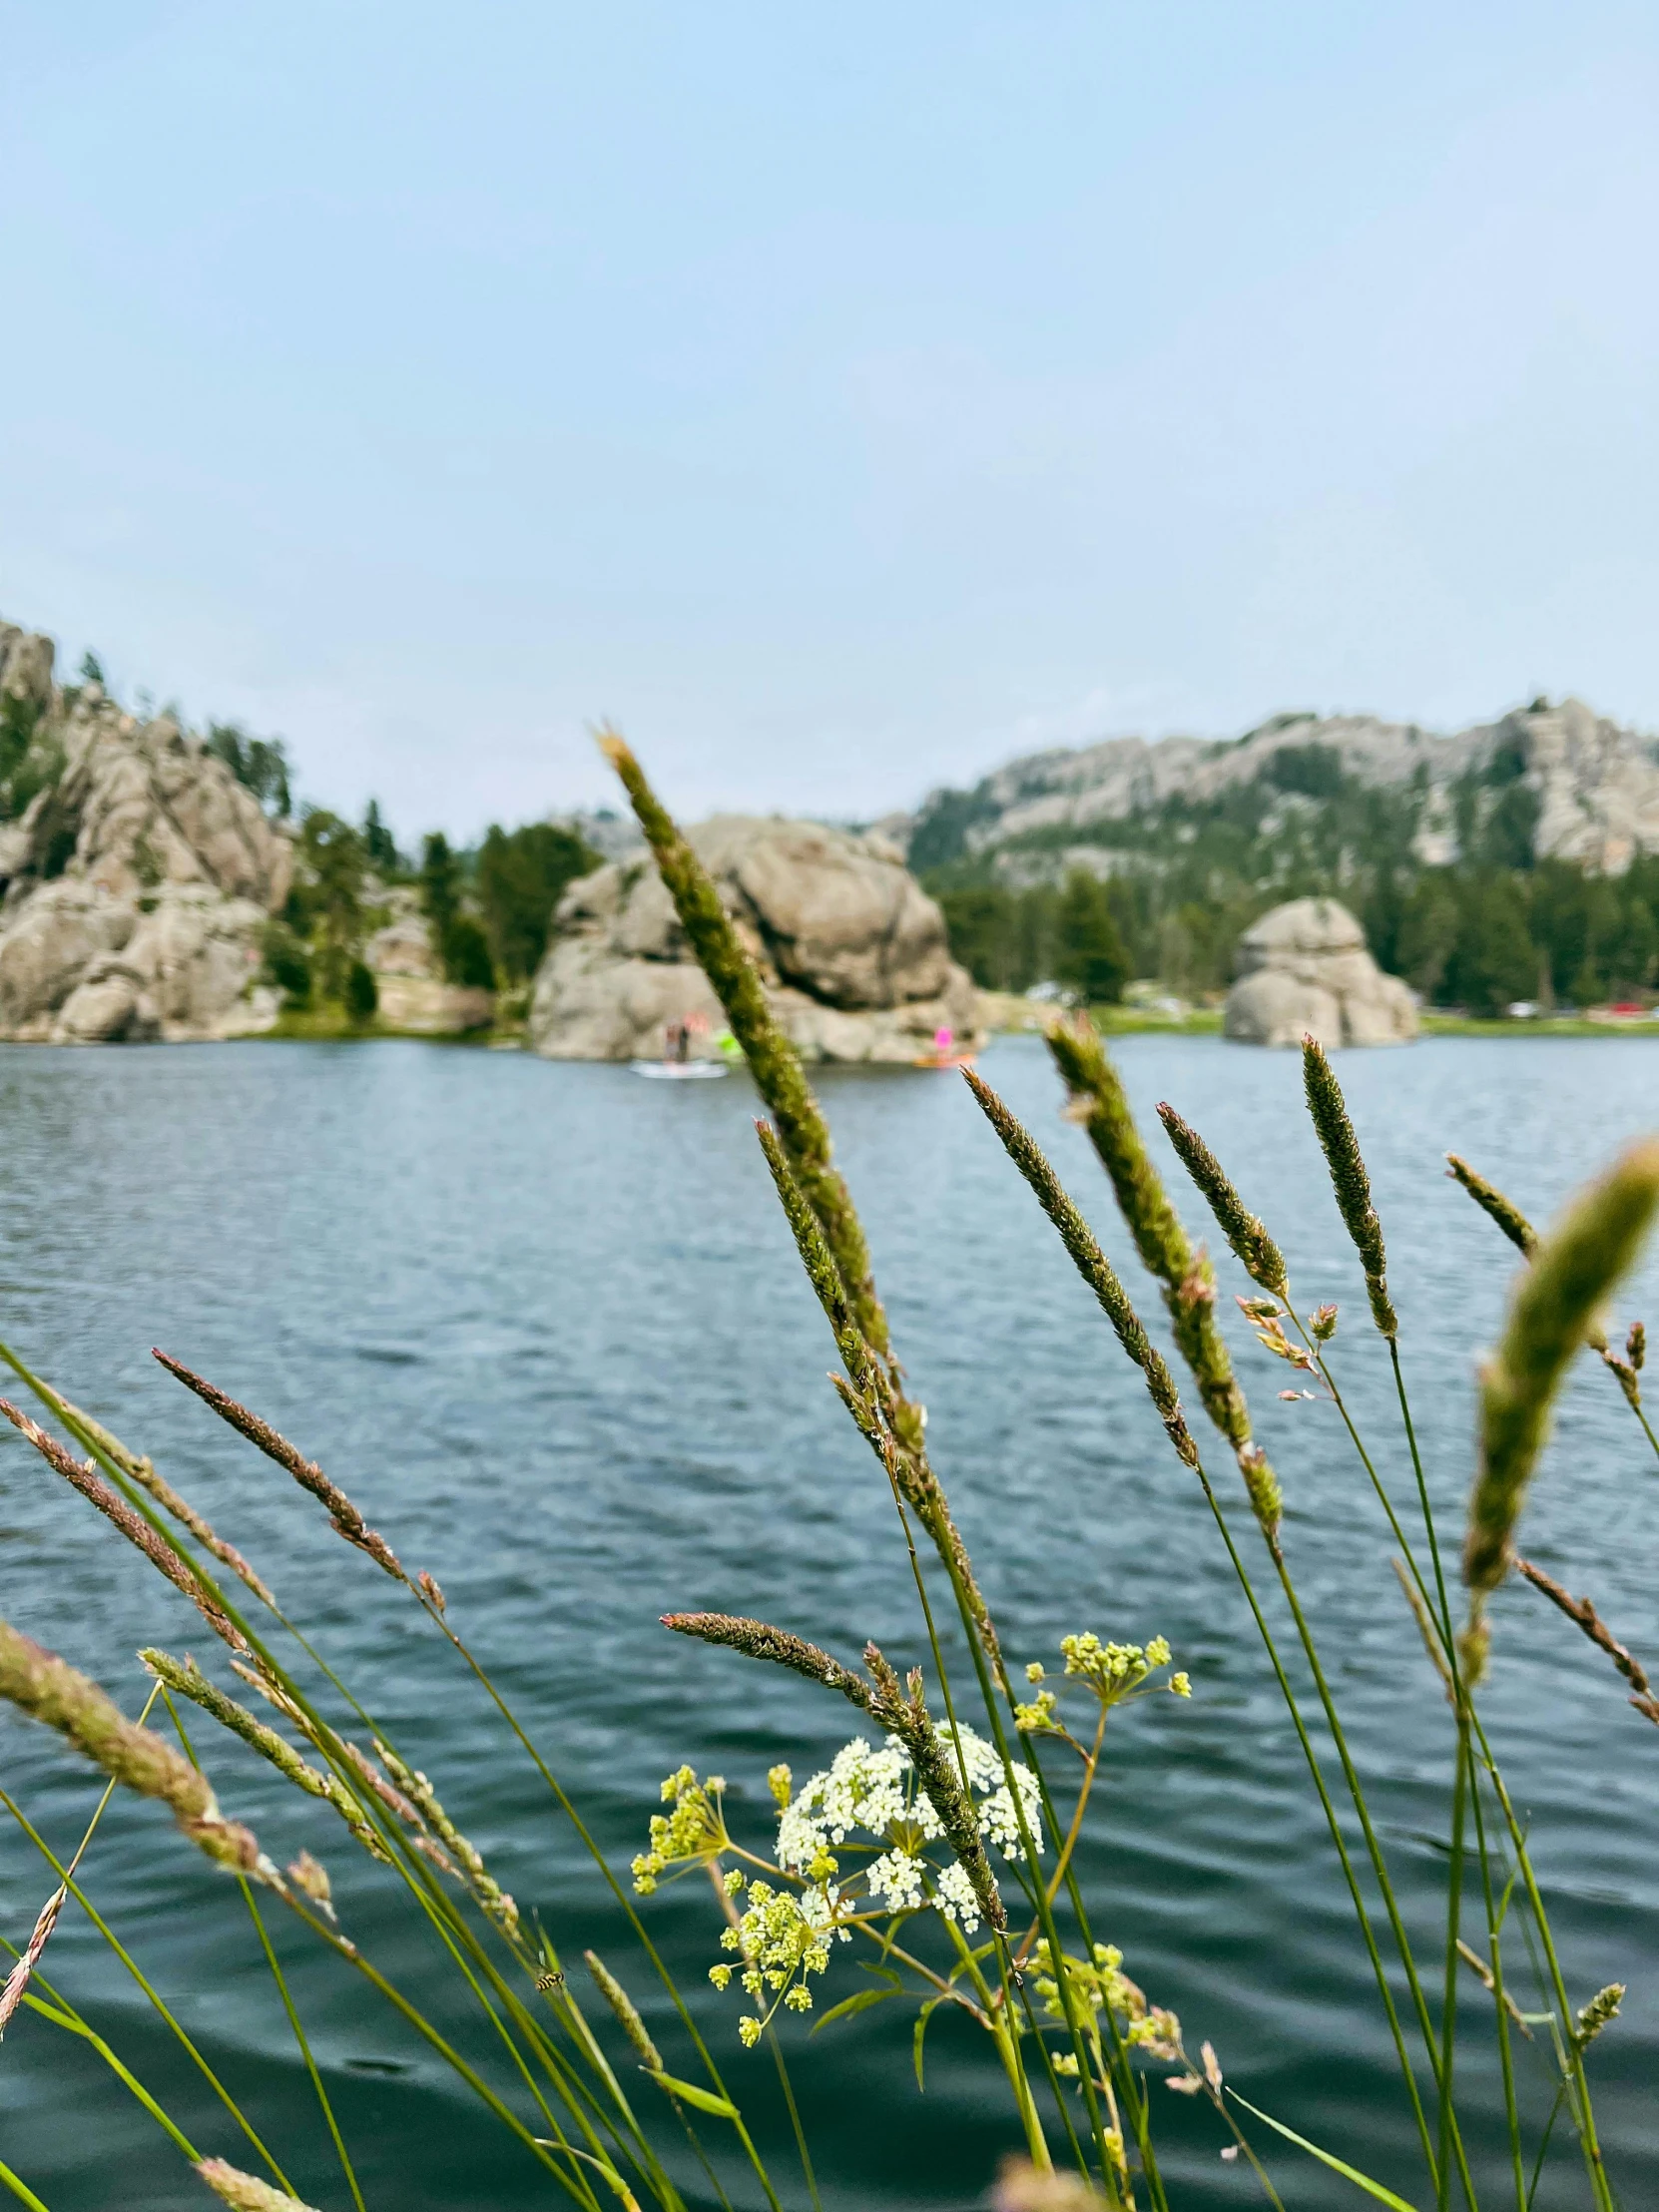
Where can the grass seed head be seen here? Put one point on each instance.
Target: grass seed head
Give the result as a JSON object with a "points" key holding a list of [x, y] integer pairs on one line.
{"points": [[244, 2192], [1090, 1261], [1260, 1257], [1349, 1180], [11, 1995], [626, 2010], [1492, 1203], [1600, 2013], [1555, 1299], [1162, 1242], [142, 1473], [759, 1640], [162, 1556], [49, 1689], [344, 1515], [773, 1060], [491, 1898], [311, 1877]]}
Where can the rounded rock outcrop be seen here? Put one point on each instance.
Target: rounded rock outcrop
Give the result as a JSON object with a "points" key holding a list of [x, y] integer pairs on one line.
{"points": [[851, 950], [1305, 971]]}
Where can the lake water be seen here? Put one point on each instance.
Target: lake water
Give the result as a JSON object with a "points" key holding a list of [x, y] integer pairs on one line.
{"points": [[545, 1324]]}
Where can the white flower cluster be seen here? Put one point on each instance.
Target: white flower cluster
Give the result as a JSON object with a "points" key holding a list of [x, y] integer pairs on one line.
{"points": [[861, 1788], [875, 1790]]}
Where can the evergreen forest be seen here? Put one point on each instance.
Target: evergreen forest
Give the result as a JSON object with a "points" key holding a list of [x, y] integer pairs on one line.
{"points": [[1167, 891]]}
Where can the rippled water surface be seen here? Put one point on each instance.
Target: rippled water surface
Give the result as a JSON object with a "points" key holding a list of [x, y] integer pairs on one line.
{"points": [[545, 1324]]}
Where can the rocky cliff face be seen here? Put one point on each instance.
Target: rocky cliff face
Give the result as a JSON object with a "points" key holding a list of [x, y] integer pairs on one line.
{"points": [[136, 882], [1591, 788], [852, 951]]}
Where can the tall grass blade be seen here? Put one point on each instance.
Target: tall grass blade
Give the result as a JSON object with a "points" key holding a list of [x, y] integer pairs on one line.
{"points": [[1325, 2157]]}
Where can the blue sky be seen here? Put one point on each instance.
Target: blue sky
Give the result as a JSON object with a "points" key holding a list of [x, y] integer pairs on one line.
{"points": [[842, 399]]}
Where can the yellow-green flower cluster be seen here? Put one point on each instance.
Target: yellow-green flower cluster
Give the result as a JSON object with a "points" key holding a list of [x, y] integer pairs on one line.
{"points": [[1099, 1981], [692, 1832], [1032, 1719], [1112, 1671], [783, 1938]]}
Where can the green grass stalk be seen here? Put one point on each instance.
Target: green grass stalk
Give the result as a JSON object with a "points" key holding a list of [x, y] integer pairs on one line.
{"points": [[1448, 2011], [449, 1926], [803, 1132], [1501, 1999], [20, 2189], [911, 1478], [274, 1966], [431, 1898], [137, 1972], [1162, 1243]]}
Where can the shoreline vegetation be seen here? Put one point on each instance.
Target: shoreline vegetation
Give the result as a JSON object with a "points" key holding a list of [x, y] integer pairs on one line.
{"points": [[943, 1855], [1006, 1016]]}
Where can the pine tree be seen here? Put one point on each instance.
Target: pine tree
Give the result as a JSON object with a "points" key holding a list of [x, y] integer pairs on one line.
{"points": [[380, 843], [1496, 960], [1090, 951], [522, 873], [441, 884]]}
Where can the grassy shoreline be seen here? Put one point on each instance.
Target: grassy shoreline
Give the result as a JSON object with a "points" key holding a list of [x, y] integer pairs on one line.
{"points": [[1206, 1021], [332, 1026]]}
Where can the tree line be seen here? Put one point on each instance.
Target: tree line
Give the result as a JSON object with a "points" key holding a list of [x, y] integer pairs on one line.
{"points": [[1169, 888], [488, 912], [1475, 937]]}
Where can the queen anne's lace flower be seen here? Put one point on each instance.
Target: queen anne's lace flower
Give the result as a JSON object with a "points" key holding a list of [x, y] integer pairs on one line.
{"points": [[875, 1790], [896, 1877], [867, 1797], [1000, 1821], [955, 1898], [861, 1788]]}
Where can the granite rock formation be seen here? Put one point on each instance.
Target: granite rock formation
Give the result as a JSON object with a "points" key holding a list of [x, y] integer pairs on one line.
{"points": [[1305, 971], [851, 950], [136, 883]]}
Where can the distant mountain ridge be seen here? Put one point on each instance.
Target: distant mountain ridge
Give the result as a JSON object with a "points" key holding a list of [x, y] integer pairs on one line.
{"points": [[1557, 782]]}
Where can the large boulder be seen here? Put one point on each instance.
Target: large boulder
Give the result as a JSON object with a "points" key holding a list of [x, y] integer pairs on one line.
{"points": [[852, 951], [1305, 971], [136, 885]]}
